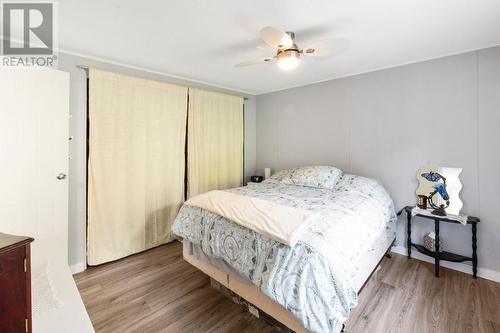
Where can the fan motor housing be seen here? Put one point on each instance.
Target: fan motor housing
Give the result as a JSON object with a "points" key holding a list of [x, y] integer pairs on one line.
{"points": [[288, 53]]}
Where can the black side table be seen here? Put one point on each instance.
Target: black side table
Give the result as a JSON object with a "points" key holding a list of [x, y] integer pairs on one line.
{"points": [[443, 255]]}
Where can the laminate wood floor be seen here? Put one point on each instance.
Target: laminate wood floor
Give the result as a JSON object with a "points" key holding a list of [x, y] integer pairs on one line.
{"points": [[157, 291]]}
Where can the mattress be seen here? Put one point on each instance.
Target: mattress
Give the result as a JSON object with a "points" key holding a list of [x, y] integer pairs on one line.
{"points": [[196, 251], [368, 261], [359, 272]]}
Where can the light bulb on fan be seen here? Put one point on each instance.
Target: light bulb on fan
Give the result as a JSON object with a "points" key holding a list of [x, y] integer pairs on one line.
{"points": [[288, 60]]}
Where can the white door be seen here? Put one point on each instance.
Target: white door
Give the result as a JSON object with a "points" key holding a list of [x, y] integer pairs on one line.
{"points": [[34, 122], [34, 127]]}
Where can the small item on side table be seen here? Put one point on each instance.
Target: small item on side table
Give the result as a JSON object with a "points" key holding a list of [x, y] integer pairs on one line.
{"points": [[15, 284], [439, 255], [430, 242], [422, 202], [267, 173], [256, 179]]}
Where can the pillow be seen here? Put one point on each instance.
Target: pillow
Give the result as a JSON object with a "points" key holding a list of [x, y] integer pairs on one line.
{"points": [[314, 176], [278, 176], [350, 182], [367, 186]]}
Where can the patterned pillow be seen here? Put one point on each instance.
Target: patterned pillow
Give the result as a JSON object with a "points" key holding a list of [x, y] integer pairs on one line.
{"points": [[314, 176], [278, 176]]}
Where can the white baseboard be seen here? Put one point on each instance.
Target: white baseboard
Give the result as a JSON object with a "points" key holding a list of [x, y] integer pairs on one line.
{"points": [[78, 267], [461, 267]]}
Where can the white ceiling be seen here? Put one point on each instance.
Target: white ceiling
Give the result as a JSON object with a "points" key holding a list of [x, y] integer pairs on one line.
{"points": [[204, 39]]}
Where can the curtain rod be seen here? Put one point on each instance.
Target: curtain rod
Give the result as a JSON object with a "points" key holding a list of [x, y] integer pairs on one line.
{"points": [[86, 68]]}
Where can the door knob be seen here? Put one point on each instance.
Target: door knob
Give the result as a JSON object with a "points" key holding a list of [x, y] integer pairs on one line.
{"points": [[61, 176]]}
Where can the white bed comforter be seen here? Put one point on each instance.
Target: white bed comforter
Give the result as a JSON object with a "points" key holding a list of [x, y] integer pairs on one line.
{"points": [[282, 223]]}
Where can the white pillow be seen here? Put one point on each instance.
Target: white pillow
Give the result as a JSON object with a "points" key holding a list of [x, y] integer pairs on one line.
{"points": [[313, 176]]}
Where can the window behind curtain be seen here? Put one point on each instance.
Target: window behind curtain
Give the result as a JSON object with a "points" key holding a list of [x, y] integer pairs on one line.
{"points": [[136, 163]]}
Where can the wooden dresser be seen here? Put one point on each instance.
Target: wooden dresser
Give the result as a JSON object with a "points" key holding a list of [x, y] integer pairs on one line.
{"points": [[15, 284]]}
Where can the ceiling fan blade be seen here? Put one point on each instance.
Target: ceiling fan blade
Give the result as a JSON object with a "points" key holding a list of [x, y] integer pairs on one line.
{"points": [[254, 62], [326, 47], [276, 38]]}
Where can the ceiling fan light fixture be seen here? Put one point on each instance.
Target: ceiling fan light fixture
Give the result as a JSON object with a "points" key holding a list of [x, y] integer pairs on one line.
{"points": [[288, 60], [289, 55]]}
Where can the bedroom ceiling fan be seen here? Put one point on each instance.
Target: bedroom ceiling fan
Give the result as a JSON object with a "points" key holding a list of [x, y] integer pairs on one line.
{"points": [[288, 54]]}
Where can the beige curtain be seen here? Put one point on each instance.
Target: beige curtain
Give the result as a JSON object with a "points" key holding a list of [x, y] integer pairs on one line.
{"points": [[136, 163], [215, 141]]}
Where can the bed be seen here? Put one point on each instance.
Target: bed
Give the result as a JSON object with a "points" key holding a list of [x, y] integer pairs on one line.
{"points": [[310, 286]]}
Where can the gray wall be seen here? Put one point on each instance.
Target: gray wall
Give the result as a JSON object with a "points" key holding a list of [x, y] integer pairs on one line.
{"points": [[386, 124], [78, 121]]}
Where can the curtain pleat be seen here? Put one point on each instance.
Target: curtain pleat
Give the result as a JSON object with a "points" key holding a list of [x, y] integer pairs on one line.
{"points": [[215, 141], [136, 163]]}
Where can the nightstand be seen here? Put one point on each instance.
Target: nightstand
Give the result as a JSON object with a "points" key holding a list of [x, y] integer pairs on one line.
{"points": [[443, 255]]}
